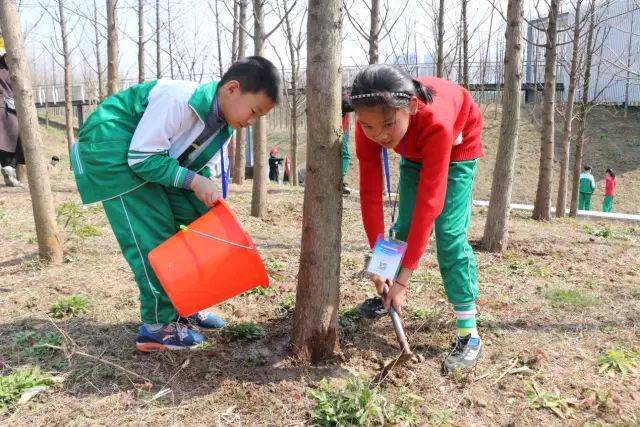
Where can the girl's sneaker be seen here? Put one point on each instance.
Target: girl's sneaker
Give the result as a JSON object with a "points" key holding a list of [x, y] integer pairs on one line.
{"points": [[464, 356], [171, 336], [204, 320]]}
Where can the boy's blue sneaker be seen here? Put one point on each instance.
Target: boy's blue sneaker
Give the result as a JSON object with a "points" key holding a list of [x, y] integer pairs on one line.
{"points": [[171, 336], [204, 320], [464, 356]]}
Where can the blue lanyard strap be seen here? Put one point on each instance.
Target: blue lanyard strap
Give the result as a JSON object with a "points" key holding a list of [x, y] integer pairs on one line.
{"points": [[225, 182]]}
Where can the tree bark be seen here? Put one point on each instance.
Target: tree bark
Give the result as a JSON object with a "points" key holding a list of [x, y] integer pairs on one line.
{"points": [[112, 48], [240, 160], [158, 51], [49, 242], [259, 193], [140, 41], [295, 66], [68, 107], [582, 115], [374, 32], [315, 334], [561, 201], [542, 205], [440, 41], [495, 236]]}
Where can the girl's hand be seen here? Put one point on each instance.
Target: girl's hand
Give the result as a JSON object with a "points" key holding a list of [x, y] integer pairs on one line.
{"points": [[396, 297], [205, 190], [380, 282]]}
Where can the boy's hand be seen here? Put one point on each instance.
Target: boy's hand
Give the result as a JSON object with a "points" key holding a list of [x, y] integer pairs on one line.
{"points": [[206, 190]]}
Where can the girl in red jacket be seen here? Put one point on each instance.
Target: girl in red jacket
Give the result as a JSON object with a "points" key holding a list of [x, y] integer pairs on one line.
{"points": [[609, 191], [435, 127]]}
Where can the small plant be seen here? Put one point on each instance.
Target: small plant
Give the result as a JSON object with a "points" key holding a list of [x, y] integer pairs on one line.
{"points": [[357, 403], [569, 298], [36, 344], [428, 276], [429, 315], [618, 361], [71, 306], [487, 321], [13, 386], [540, 399], [275, 265], [287, 305], [598, 231], [76, 222], [244, 332], [442, 418], [271, 290], [348, 316]]}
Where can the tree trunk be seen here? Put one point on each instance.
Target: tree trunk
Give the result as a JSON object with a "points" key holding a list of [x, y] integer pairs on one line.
{"points": [[97, 51], [170, 39], [374, 32], [561, 202], [49, 242], [295, 66], [158, 51], [259, 193], [140, 41], [219, 43], [315, 334], [68, 107], [234, 41], [465, 46], [582, 116], [542, 205], [240, 160], [630, 58], [440, 42], [112, 47], [495, 236]]}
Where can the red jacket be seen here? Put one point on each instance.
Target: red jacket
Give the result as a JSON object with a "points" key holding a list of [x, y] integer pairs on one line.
{"points": [[610, 186], [429, 140]]}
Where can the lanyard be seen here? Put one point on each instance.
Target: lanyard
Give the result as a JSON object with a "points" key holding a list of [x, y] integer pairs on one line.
{"points": [[225, 182]]}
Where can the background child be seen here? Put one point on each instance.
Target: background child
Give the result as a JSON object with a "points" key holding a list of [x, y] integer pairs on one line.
{"points": [[145, 153], [274, 163], [609, 191], [436, 127], [587, 187], [346, 154]]}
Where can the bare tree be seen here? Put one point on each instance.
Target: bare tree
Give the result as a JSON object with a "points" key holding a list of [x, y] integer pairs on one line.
{"points": [[315, 324], [495, 236], [49, 242], [218, 37], [240, 160], [68, 107], [561, 202], [158, 50], [582, 114], [112, 48], [171, 38], [440, 42], [97, 52], [542, 205], [465, 45], [141, 41]]}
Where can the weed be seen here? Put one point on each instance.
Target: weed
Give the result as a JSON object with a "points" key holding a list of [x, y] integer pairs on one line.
{"points": [[287, 305], [259, 290], [275, 265], [75, 220], [569, 298], [348, 316], [487, 321], [12, 386], [618, 361], [441, 418], [35, 344], [540, 399], [244, 332], [71, 306], [430, 316]]}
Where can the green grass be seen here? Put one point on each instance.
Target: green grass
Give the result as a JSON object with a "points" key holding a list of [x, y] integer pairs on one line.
{"points": [[287, 304], [348, 316], [71, 306], [540, 399], [34, 343], [428, 315], [561, 298], [618, 361], [74, 220], [487, 321], [271, 290], [13, 385], [244, 332]]}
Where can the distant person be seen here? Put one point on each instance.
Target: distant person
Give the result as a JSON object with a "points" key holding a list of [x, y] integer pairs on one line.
{"points": [[587, 187], [346, 154], [287, 169], [274, 163], [609, 191], [11, 154]]}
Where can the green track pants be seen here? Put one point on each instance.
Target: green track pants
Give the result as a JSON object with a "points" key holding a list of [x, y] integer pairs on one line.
{"points": [[455, 256], [141, 220], [607, 204], [346, 155], [584, 201]]}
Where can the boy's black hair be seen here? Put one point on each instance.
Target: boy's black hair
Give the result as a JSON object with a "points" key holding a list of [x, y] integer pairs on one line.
{"points": [[587, 168], [255, 74], [386, 82]]}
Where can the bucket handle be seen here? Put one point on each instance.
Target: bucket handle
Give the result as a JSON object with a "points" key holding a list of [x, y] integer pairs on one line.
{"points": [[185, 228]]}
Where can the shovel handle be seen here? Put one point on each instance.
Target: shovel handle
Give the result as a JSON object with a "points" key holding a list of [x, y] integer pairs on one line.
{"points": [[397, 326]]}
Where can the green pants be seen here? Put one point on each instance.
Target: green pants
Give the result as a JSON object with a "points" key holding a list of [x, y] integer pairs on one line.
{"points": [[346, 156], [455, 256], [607, 204], [584, 201], [141, 220]]}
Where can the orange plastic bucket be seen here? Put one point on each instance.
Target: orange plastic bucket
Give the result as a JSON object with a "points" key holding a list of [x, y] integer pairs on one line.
{"points": [[210, 261]]}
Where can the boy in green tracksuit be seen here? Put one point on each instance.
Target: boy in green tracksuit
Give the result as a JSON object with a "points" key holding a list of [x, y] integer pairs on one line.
{"points": [[146, 153], [587, 187]]}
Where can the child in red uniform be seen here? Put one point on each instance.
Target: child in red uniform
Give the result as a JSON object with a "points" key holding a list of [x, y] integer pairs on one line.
{"points": [[436, 128], [609, 191]]}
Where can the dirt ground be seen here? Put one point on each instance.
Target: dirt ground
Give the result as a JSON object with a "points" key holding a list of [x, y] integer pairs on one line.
{"points": [[563, 294]]}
